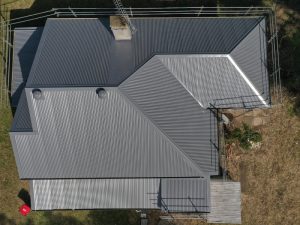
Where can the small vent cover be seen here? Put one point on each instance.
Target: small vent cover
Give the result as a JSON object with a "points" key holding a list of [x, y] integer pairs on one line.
{"points": [[101, 92], [37, 94]]}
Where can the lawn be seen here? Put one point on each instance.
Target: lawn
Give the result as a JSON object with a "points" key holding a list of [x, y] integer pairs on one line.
{"points": [[269, 174]]}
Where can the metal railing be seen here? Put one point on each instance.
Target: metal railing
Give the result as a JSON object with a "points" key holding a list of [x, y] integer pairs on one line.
{"points": [[247, 102]]}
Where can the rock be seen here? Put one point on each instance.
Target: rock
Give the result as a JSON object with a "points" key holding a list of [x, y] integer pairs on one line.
{"points": [[225, 119], [258, 121]]}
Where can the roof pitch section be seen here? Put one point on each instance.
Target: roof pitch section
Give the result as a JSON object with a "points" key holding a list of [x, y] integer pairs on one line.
{"points": [[119, 141], [22, 121], [26, 42], [72, 52], [162, 98], [185, 195], [171, 194], [213, 80], [83, 52], [251, 56], [94, 194]]}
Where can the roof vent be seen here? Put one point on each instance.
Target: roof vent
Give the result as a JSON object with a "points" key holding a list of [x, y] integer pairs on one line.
{"points": [[101, 92], [120, 28], [37, 94]]}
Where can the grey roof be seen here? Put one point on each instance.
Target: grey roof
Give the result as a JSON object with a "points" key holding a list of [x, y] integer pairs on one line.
{"points": [[180, 194], [83, 52], [185, 195], [22, 121], [212, 79], [94, 194], [79, 135], [163, 99], [251, 57], [25, 44], [153, 122]]}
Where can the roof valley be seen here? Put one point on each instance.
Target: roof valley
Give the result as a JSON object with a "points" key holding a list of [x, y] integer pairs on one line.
{"points": [[201, 173]]}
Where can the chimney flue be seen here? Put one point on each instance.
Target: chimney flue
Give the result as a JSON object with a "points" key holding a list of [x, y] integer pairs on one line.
{"points": [[120, 28]]}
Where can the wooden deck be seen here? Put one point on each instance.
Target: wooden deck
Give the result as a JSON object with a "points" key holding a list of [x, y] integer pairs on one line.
{"points": [[225, 202]]}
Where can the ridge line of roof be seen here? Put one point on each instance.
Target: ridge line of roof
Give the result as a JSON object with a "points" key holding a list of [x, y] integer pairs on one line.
{"points": [[193, 55], [247, 80], [131, 102], [259, 19]]}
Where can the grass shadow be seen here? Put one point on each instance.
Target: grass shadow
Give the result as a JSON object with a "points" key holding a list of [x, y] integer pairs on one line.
{"points": [[112, 217], [4, 220]]}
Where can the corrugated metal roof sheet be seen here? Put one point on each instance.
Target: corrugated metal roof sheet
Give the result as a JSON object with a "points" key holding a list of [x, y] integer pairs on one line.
{"points": [[79, 135], [83, 52], [22, 121], [163, 99], [95, 194], [185, 195], [251, 56], [25, 44], [192, 195], [211, 79]]}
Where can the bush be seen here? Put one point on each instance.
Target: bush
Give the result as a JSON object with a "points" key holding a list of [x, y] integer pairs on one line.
{"points": [[245, 136]]}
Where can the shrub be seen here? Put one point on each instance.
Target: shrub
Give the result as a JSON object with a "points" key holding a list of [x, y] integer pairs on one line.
{"points": [[245, 136]]}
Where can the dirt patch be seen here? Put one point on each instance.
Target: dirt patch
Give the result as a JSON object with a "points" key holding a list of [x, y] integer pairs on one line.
{"points": [[243, 177], [254, 118]]}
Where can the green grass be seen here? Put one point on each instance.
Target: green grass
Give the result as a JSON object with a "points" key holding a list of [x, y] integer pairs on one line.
{"points": [[244, 135]]}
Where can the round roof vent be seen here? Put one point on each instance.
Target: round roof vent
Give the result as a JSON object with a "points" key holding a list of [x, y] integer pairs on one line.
{"points": [[101, 92], [37, 94]]}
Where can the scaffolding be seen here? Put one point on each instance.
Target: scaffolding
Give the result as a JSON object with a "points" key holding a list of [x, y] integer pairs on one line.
{"points": [[7, 26]]}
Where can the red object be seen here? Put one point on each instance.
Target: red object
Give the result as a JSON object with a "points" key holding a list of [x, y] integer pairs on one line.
{"points": [[24, 210]]}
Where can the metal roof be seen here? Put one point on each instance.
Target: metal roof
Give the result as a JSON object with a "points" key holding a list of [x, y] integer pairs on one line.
{"points": [[213, 79], [94, 194], [176, 195], [62, 61], [251, 56], [26, 41], [79, 135], [168, 91], [74, 52], [153, 125], [171, 107], [185, 195]]}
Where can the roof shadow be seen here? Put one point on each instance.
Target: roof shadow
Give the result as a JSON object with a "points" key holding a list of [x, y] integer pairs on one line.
{"points": [[26, 55]]}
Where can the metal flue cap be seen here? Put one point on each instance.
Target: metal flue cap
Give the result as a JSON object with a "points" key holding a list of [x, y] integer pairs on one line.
{"points": [[101, 92], [37, 94]]}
